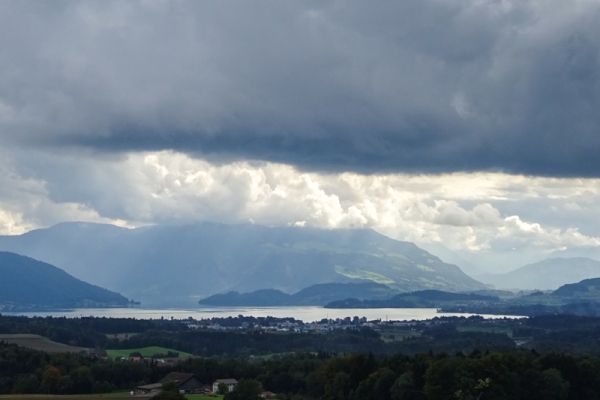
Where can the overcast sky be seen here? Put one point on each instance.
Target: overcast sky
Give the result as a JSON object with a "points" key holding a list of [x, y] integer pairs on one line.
{"points": [[472, 123]]}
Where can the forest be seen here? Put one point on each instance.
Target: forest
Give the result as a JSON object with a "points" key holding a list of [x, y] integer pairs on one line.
{"points": [[452, 358], [516, 374]]}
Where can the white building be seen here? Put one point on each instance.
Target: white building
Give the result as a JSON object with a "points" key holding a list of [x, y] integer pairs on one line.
{"points": [[229, 383]]}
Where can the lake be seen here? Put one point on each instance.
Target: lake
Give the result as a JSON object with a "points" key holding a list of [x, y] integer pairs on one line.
{"points": [[306, 314]]}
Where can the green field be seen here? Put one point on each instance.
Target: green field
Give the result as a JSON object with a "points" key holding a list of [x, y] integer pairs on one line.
{"points": [[145, 351], [398, 334]]}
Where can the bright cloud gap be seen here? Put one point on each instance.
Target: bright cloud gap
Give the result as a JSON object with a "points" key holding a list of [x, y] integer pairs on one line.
{"points": [[463, 211]]}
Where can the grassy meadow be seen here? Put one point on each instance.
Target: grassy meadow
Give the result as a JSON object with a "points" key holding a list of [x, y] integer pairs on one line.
{"points": [[145, 351]]}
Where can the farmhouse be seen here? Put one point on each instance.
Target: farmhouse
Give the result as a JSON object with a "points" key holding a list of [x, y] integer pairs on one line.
{"points": [[229, 383], [186, 383]]}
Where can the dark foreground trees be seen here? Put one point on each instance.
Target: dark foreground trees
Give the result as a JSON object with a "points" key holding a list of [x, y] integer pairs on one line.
{"points": [[449, 360], [246, 389], [510, 375]]}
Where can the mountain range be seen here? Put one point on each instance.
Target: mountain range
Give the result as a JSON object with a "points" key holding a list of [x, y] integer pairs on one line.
{"points": [[548, 274], [164, 263], [28, 282]]}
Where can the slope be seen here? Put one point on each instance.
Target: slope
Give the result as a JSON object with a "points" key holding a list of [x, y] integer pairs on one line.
{"points": [[26, 281], [586, 289], [180, 262], [548, 274]]}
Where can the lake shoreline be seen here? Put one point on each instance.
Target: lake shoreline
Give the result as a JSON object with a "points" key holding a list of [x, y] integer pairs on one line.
{"points": [[305, 313]]}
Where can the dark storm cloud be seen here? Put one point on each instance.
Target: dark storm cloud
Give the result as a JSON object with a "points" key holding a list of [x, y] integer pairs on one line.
{"points": [[416, 86]]}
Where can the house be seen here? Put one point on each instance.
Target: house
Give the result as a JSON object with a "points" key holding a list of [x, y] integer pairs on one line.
{"points": [[267, 395], [229, 383], [186, 383], [166, 362]]}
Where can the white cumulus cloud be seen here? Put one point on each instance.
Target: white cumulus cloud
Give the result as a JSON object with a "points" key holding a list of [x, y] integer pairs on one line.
{"points": [[477, 213]]}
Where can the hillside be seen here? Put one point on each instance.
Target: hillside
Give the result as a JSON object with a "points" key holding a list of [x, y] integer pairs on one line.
{"points": [[162, 263], [423, 298], [315, 295], [28, 282], [586, 289], [548, 274]]}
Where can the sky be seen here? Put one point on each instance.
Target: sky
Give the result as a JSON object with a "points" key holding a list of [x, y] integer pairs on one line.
{"points": [[470, 124]]}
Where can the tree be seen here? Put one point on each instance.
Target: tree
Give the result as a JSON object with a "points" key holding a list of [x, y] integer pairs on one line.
{"points": [[246, 389], [82, 380], [26, 385], [553, 386], [222, 388], [404, 388], [376, 386], [339, 387], [50, 380]]}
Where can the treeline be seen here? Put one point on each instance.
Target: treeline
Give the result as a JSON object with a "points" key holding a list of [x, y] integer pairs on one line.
{"points": [[509, 375], [84, 332], [28, 371], [514, 375], [207, 343]]}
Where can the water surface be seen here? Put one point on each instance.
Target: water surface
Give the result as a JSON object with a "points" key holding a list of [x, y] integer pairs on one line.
{"points": [[306, 314]]}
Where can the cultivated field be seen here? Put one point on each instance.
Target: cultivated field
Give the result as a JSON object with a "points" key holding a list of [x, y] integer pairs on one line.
{"points": [[41, 343], [145, 351], [396, 335]]}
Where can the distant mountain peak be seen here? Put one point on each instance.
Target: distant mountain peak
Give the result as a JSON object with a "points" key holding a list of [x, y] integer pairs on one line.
{"points": [[548, 274], [159, 262]]}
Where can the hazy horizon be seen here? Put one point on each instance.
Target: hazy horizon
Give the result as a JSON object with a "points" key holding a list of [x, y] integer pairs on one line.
{"points": [[467, 264]]}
